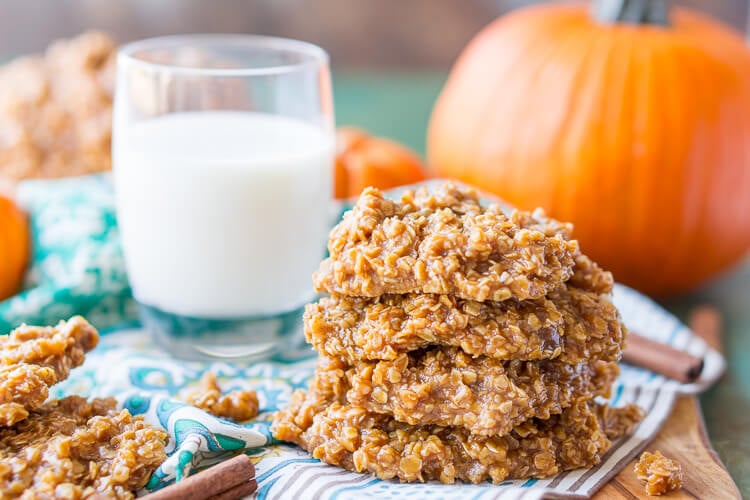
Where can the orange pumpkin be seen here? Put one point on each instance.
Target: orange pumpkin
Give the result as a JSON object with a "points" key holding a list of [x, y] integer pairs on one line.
{"points": [[363, 160], [636, 129], [14, 247]]}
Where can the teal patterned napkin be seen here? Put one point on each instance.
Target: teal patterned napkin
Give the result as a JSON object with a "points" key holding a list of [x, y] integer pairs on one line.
{"points": [[148, 382], [77, 265], [78, 268]]}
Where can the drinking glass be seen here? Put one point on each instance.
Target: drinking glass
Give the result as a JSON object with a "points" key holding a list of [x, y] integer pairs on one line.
{"points": [[223, 157]]}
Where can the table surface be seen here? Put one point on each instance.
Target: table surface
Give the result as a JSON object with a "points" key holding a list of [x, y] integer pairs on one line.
{"points": [[398, 105]]}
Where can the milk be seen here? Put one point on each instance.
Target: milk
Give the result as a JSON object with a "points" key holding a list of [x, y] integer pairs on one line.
{"points": [[223, 214]]}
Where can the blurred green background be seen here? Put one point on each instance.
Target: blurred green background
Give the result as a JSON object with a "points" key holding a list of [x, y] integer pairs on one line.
{"points": [[390, 104]]}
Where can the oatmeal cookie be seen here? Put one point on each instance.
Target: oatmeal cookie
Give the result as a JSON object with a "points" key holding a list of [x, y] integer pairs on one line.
{"points": [[73, 448], [442, 241], [659, 474], [447, 387], [570, 325], [34, 358], [236, 405], [362, 441], [56, 110]]}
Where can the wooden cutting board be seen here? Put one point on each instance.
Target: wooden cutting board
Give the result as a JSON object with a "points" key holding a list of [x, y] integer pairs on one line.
{"points": [[684, 439]]}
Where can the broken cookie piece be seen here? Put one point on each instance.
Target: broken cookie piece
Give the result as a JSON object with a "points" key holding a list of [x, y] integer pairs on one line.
{"points": [[236, 405], [34, 358], [658, 473]]}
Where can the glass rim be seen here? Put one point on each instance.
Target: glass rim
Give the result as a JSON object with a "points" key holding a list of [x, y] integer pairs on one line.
{"points": [[315, 55]]}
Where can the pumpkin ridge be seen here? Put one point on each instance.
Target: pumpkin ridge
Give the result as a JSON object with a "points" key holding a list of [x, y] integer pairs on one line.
{"points": [[615, 135], [488, 113], [573, 109], [435, 135], [643, 128], [595, 116], [694, 205], [491, 118], [623, 146]]}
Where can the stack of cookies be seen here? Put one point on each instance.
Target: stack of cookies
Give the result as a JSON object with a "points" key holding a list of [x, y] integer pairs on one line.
{"points": [[457, 343]]}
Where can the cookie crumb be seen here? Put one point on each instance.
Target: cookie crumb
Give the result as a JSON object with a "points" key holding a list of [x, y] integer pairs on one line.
{"points": [[659, 474], [236, 405]]}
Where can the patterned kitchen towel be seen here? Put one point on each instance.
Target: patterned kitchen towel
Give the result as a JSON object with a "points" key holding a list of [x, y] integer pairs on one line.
{"points": [[77, 263], [147, 380]]}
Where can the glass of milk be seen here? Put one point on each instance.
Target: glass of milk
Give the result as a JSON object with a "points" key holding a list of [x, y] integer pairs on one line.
{"points": [[223, 157]]}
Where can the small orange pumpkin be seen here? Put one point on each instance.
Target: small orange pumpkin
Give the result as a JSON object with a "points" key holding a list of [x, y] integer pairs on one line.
{"points": [[629, 120], [363, 160], [14, 247]]}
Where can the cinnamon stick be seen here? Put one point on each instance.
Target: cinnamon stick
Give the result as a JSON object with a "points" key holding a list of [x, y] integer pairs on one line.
{"points": [[705, 321], [224, 478], [239, 491], [661, 358]]}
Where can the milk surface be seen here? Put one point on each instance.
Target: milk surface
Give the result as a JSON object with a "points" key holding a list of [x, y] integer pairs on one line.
{"points": [[223, 214]]}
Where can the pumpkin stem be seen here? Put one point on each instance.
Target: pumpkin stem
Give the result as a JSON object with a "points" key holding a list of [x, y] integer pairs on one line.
{"points": [[632, 11]]}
